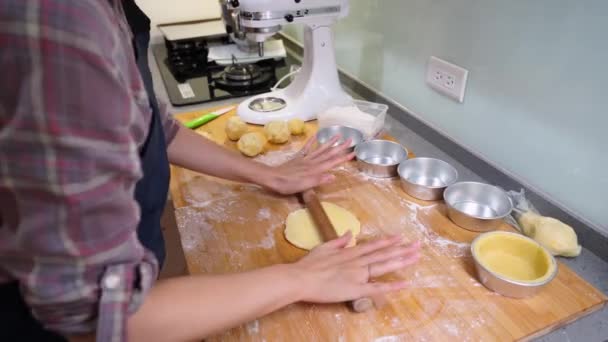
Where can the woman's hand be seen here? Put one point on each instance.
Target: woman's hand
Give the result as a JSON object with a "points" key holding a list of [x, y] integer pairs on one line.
{"points": [[310, 168], [333, 273]]}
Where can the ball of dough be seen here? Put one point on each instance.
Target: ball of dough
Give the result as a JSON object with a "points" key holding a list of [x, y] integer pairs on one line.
{"points": [[277, 132], [554, 235], [296, 126], [251, 144], [302, 232], [235, 128]]}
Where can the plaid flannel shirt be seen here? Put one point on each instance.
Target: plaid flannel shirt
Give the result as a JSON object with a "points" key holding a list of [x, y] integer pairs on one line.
{"points": [[73, 115]]}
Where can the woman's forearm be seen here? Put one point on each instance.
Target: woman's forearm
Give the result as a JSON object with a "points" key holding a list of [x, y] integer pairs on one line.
{"points": [[309, 169], [192, 308]]}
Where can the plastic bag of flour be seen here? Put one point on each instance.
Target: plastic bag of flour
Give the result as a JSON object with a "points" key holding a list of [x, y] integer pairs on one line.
{"points": [[367, 117]]}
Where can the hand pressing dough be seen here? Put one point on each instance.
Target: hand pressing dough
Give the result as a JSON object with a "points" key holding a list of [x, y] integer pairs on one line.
{"points": [[296, 126], [251, 144], [302, 232], [277, 132], [235, 128], [556, 236]]}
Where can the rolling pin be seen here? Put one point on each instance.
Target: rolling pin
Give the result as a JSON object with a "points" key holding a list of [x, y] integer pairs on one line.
{"points": [[329, 233]]}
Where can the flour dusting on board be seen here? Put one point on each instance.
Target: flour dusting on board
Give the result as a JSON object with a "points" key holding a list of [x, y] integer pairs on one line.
{"points": [[263, 214], [203, 191], [411, 216], [187, 218], [339, 321], [392, 338], [253, 327], [477, 322], [205, 232], [268, 242], [431, 281], [461, 328], [451, 328], [395, 322], [441, 244], [275, 158]]}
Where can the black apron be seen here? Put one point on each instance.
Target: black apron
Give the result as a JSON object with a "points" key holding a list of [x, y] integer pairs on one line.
{"points": [[151, 190], [18, 324]]}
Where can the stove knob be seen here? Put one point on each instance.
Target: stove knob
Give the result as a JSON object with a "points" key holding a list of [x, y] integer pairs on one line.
{"points": [[289, 18]]}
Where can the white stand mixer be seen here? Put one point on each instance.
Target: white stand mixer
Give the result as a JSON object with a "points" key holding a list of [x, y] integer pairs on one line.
{"points": [[317, 86]]}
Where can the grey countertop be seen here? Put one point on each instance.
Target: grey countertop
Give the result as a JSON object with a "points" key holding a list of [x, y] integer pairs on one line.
{"points": [[593, 327]]}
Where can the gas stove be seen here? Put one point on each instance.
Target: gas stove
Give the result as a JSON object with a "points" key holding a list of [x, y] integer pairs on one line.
{"points": [[190, 79]]}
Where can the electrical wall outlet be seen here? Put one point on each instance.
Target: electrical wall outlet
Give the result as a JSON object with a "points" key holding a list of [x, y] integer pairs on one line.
{"points": [[447, 78]]}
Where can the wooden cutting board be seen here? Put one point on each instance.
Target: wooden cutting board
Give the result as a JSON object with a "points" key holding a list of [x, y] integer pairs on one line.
{"points": [[228, 227]]}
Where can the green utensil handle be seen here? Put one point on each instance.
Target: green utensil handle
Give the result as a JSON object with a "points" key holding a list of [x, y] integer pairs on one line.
{"points": [[200, 121]]}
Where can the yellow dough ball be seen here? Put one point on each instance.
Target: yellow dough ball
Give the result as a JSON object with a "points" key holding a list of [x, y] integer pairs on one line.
{"points": [[558, 237], [235, 128], [296, 126], [277, 132], [251, 144]]}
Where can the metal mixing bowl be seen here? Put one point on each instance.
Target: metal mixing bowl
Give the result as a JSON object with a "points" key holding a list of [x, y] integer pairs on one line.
{"points": [[525, 256], [426, 178], [326, 133], [380, 158], [477, 206]]}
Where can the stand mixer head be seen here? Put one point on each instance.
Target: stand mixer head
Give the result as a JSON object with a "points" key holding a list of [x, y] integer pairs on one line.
{"points": [[316, 87], [246, 39]]}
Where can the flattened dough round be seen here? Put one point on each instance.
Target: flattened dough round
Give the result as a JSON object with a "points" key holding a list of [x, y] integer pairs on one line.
{"points": [[301, 231]]}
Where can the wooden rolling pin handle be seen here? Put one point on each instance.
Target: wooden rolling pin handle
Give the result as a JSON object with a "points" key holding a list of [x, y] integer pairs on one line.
{"points": [[366, 303], [329, 233], [319, 216], [362, 304]]}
